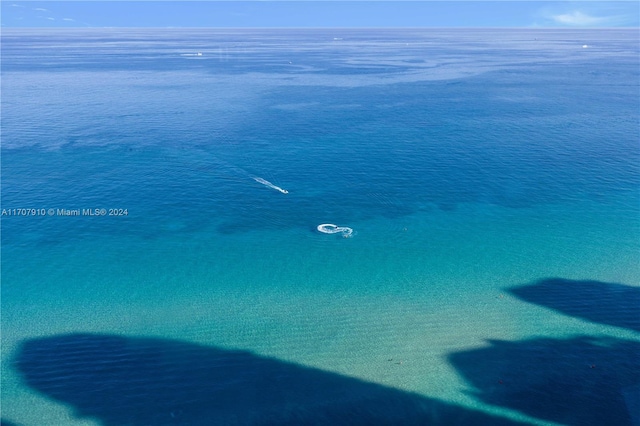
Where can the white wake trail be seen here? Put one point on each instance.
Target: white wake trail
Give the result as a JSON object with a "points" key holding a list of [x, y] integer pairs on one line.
{"points": [[269, 184]]}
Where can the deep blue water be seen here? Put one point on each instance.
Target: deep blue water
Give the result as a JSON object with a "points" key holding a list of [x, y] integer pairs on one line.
{"points": [[468, 163]]}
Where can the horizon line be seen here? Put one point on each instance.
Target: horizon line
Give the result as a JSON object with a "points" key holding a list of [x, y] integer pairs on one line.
{"points": [[319, 28]]}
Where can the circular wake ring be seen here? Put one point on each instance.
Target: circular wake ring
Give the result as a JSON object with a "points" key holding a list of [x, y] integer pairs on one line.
{"points": [[330, 228]]}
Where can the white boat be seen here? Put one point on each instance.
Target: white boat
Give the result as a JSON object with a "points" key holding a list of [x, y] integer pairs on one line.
{"points": [[330, 228]]}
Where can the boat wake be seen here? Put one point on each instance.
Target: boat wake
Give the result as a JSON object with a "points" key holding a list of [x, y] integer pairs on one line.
{"points": [[270, 185], [330, 228]]}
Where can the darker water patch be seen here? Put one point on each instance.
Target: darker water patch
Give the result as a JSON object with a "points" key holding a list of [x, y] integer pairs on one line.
{"points": [[147, 381], [578, 381], [594, 301]]}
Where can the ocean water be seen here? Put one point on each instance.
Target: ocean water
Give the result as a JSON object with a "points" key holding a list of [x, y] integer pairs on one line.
{"points": [[491, 179]]}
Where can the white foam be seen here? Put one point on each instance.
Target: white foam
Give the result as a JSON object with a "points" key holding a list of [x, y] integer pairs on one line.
{"points": [[330, 228], [270, 185]]}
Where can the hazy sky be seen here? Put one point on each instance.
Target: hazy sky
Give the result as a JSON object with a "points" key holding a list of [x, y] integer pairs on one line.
{"points": [[574, 14]]}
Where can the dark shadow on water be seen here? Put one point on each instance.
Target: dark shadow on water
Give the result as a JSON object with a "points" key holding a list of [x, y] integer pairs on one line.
{"points": [[4, 422], [595, 301], [145, 381], [578, 381]]}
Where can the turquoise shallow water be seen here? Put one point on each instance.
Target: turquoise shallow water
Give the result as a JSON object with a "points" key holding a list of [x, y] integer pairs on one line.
{"points": [[491, 179]]}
